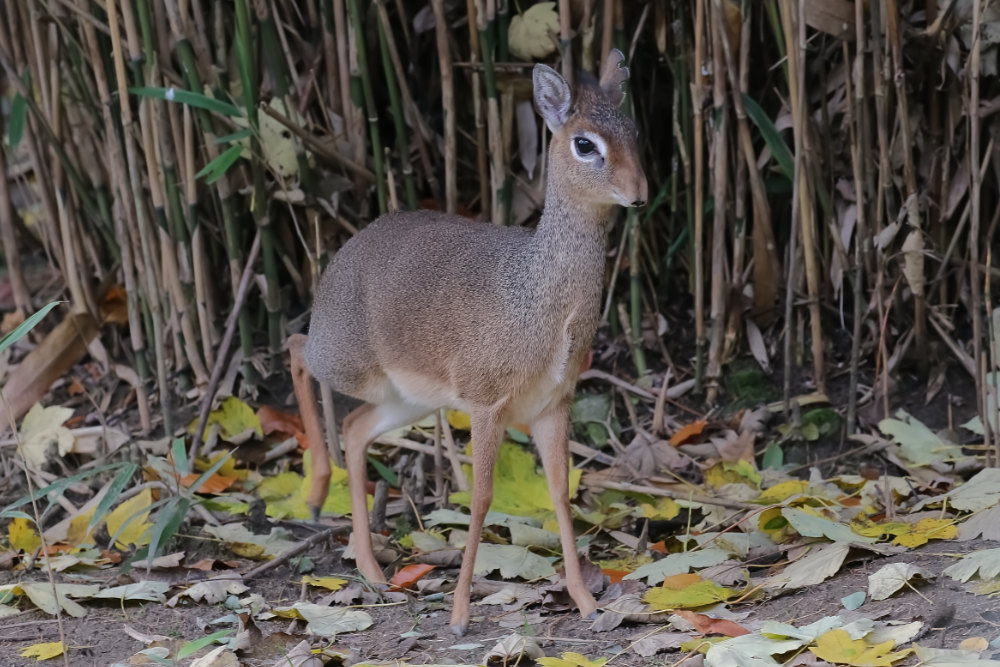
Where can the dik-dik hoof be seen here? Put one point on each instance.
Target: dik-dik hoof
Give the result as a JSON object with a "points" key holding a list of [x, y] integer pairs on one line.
{"points": [[459, 629], [593, 616], [314, 512]]}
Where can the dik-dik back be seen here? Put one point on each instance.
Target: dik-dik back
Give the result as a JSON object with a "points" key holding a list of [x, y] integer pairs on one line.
{"points": [[434, 310]]}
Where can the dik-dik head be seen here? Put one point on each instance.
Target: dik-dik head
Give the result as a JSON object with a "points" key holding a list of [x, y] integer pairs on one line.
{"points": [[593, 152]]}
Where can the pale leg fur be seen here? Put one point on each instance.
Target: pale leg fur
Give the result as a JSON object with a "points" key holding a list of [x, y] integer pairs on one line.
{"points": [[319, 485], [361, 426], [487, 434], [550, 433]]}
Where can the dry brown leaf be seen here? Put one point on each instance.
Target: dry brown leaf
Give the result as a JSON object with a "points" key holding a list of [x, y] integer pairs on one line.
{"points": [[55, 355]]}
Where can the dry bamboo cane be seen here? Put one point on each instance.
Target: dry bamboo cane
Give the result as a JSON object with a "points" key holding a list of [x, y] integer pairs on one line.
{"points": [[975, 195], [698, 104], [794, 29], [116, 162], [720, 194], [854, 108], [136, 217], [482, 149], [914, 244], [766, 266], [447, 107]]}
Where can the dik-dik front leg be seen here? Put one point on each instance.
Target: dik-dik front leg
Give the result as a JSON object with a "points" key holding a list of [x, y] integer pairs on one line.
{"points": [[487, 434], [302, 381], [550, 431]]}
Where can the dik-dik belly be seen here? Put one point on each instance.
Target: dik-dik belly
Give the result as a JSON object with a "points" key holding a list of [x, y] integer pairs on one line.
{"points": [[518, 385]]}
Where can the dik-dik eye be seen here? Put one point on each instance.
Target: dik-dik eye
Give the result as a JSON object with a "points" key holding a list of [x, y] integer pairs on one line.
{"points": [[584, 146]]}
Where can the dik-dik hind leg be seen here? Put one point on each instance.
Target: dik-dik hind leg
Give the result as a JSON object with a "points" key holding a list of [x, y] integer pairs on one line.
{"points": [[319, 485], [550, 434], [361, 426], [487, 434]]}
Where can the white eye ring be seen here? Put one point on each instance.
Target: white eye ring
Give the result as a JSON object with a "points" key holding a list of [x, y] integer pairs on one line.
{"points": [[588, 146]]}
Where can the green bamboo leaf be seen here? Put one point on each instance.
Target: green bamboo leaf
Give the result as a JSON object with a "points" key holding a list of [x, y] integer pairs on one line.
{"points": [[56, 488], [189, 98], [196, 645], [233, 137], [26, 326], [215, 169], [179, 454], [771, 136], [168, 521], [114, 491], [17, 120]]}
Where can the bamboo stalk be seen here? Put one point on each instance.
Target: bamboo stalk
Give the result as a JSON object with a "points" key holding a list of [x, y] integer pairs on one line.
{"points": [[975, 195], [374, 135], [720, 194], [697, 106], [482, 163], [447, 107]]}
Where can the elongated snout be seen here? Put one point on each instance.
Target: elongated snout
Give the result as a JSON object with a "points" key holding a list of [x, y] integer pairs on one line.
{"points": [[642, 191]]}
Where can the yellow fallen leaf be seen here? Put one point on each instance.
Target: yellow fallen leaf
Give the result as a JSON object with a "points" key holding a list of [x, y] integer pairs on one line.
{"points": [[285, 494], [837, 646], [129, 523], [926, 530], [783, 491], [663, 510], [740, 472], [571, 659], [329, 583], [23, 536], [458, 420], [234, 417], [78, 532], [686, 591], [518, 487], [44, 651]]}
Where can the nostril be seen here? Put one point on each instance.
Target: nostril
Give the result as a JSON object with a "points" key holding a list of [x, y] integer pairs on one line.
{"points": [[639, 203]]}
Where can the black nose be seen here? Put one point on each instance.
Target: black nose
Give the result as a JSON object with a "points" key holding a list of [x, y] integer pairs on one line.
{"points": [[639, 203]]}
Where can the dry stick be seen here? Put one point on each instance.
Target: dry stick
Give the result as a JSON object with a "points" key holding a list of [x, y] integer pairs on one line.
{"points": [[227, 338], [975, 196], [291, 552], [676, 495], [447, 106], [697, 104]]}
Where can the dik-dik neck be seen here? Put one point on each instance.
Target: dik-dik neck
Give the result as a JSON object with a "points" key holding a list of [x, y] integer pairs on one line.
{"points": [[567, 262]]}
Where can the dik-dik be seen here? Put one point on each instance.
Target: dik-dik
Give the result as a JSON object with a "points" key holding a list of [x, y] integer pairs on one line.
{"points": [[425, 310]]}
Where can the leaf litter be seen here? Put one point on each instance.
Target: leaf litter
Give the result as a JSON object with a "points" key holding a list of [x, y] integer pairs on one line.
{"points": [[769, 535]]}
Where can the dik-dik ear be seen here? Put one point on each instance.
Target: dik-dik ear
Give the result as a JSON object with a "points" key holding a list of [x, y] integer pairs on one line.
{"points": [[613, 76], [551, 95]]}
